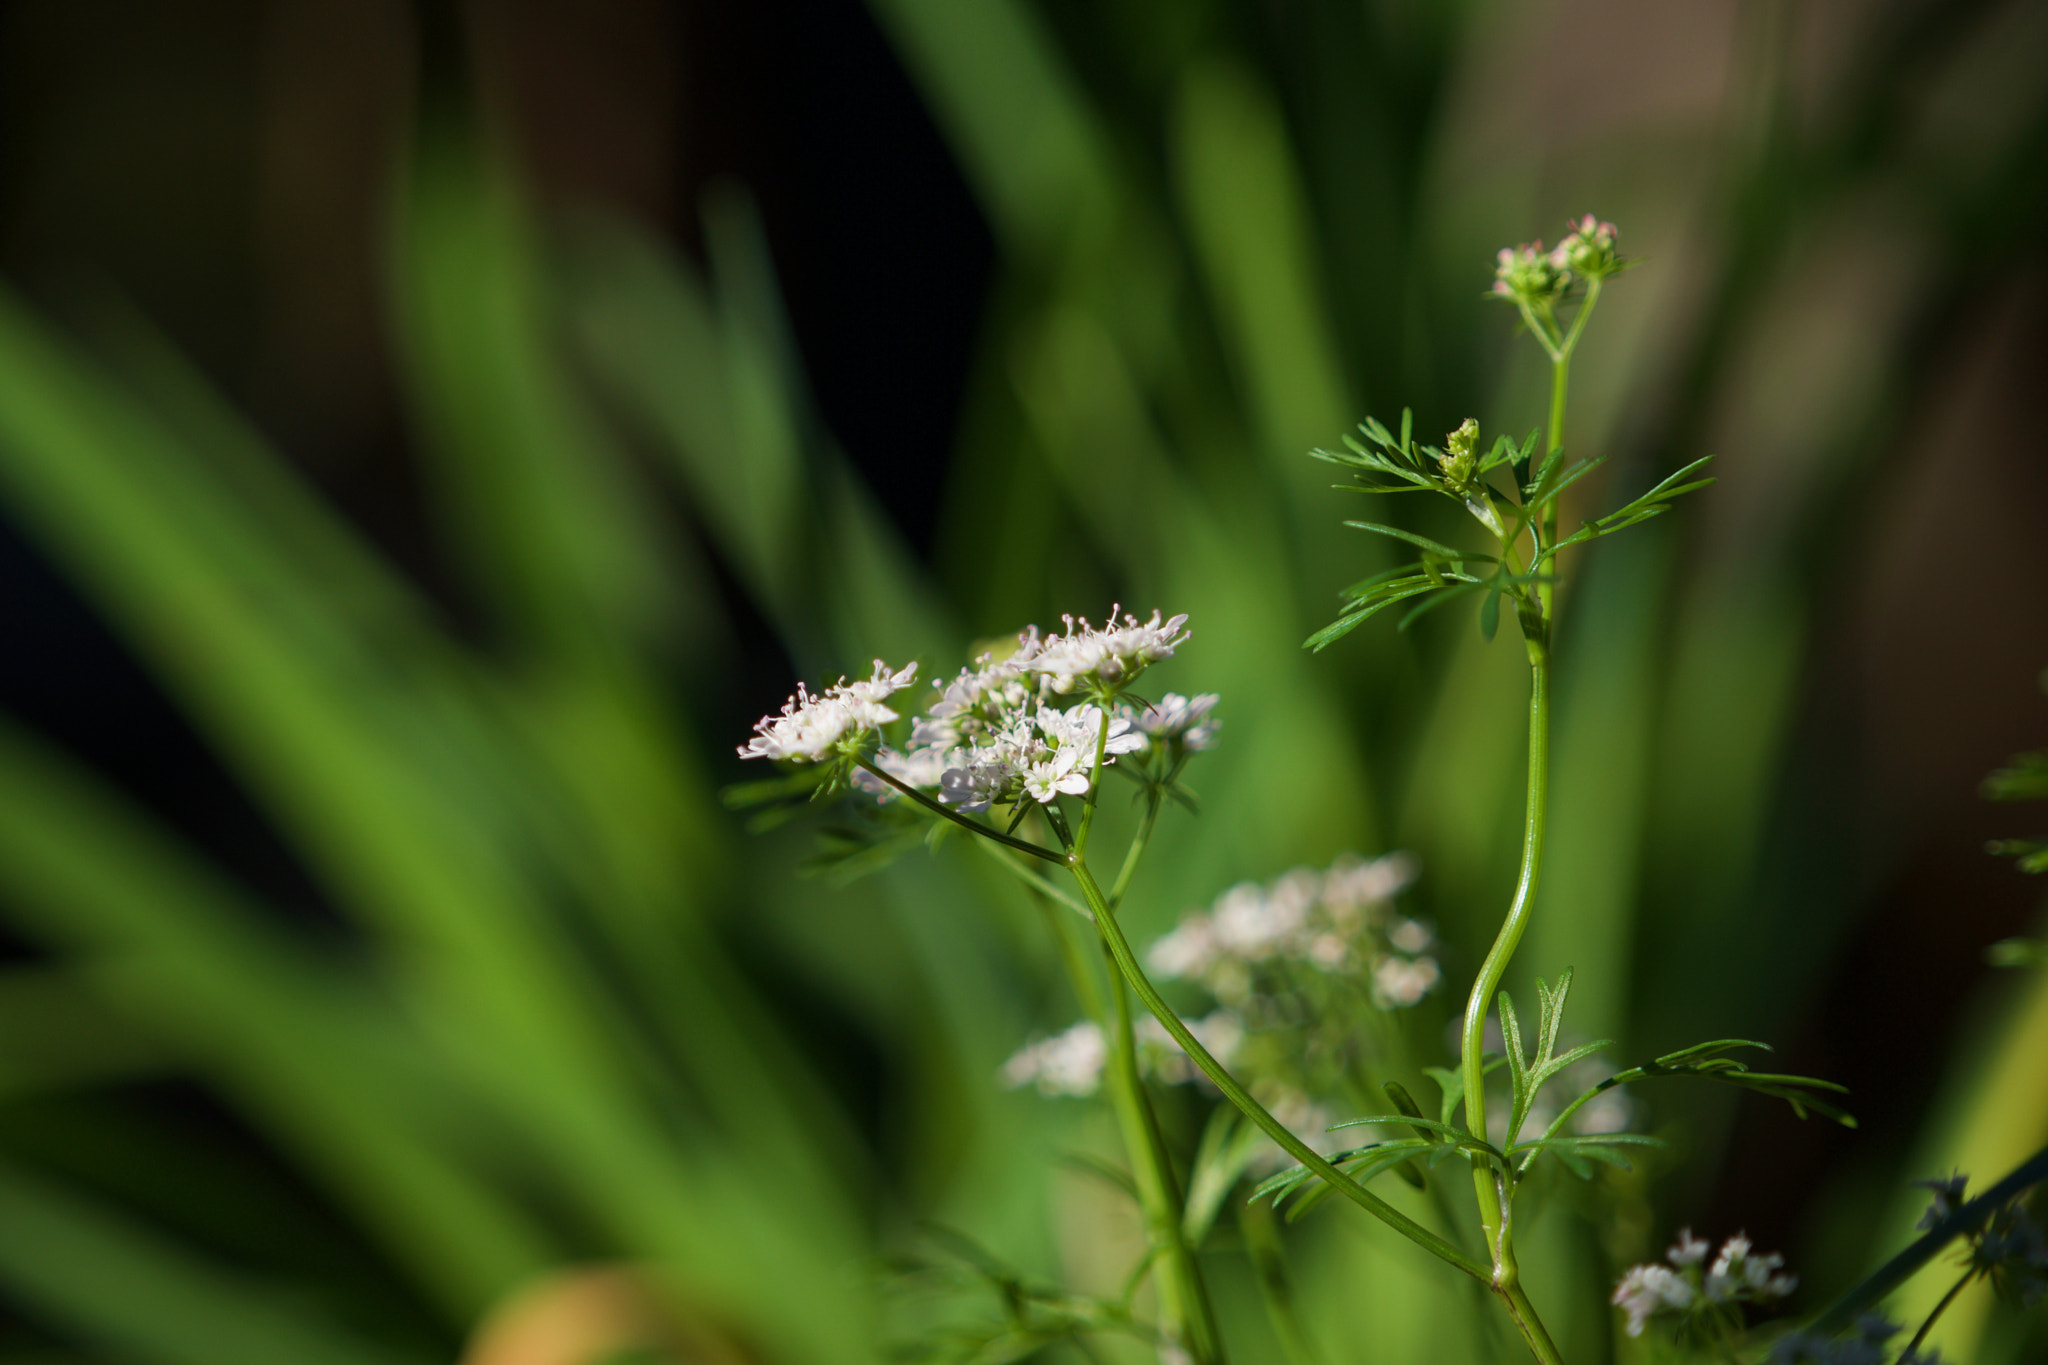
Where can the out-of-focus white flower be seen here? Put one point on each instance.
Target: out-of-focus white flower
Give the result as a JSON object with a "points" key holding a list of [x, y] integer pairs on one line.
{"points": [[1739, 1272], [1650, 1289], [1738, 1275], [1068, 1063], [1251, 925], [1109, 656], [1354, 881], [808, 727], [1220, 1032], [919, 768], [1185, 952], [1398, 982], [1174, 717], [1688, 1249], [1410, 936]]}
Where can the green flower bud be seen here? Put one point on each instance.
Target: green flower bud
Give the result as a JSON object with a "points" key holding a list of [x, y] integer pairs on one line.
{"points": [[1461, 461]]}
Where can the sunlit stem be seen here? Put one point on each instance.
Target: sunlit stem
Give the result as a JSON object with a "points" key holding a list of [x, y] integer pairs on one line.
{"points": [[1485, 1181], [1946, 1299]]}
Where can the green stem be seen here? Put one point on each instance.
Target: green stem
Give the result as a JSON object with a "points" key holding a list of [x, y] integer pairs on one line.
{"points": [[1487, 1183], [1184, 1309], [1939, 1309], [1269, 1265], [1127, 963], [1021, 845], [1137, 849], [1185, 1312]]}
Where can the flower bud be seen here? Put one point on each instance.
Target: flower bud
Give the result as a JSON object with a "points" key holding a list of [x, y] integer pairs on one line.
{"points": [[1588, 250], [1525, 274], [1460, 462]]}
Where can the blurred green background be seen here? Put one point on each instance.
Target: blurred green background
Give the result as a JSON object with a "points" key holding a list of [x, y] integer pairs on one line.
{"points": [[429, 435]]}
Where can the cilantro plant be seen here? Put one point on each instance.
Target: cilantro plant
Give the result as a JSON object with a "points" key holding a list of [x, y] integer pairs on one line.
{"points": [[1013, 750]]}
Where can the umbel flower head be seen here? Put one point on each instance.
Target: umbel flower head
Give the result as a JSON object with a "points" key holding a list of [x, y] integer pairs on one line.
{"points": [[1004, 730], [1689, 1286], [1102, 659], [1535, 278], [1526, 274], [831, 725]]}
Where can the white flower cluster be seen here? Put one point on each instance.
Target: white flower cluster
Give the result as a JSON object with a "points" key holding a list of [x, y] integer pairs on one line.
{"points": [[1175, 719], [1105, 658], [1737, 1275], [810, 728], [1071, 1063], [1338, 921], [995, 736]]}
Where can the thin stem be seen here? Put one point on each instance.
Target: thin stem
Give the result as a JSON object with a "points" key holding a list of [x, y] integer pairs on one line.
{"points": [[1531, 1326], [1959, 1223], [1541, 330], [1939, 1309], [1493, 1196], [1137, 848], [1094, 783], [1021, 845], [1127, 963], [1184, 1307], [1037, 882], [1183, 1300], [1269, 1266]]}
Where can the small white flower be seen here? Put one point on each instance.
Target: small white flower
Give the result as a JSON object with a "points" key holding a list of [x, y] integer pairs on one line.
{"points": [[1354, 882], [1220, 1032], [1183, 718], [1725, 1276], [1409, 936], [1186, 952], [1063, 772], [1650, 1289], [1110, 656], [1398, 982], [919, 768], [1067, 1063], [1081, 728], [1688, 1249], [810, 727]]}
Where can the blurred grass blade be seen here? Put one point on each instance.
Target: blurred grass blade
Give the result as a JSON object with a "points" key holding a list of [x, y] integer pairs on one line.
{"points": [[128, 1292]]}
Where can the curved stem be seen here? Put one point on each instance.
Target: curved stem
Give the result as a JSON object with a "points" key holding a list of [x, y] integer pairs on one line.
{"points": [[1127, 963], [1493, 1197], [1021, 845]]}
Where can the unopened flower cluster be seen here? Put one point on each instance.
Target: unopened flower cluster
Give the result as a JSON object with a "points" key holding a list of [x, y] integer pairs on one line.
{"points": [[1867, 1343], [2010, 1248], [1030, 725], [1339, 922], [1530, 275], [1688, 1286]]}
